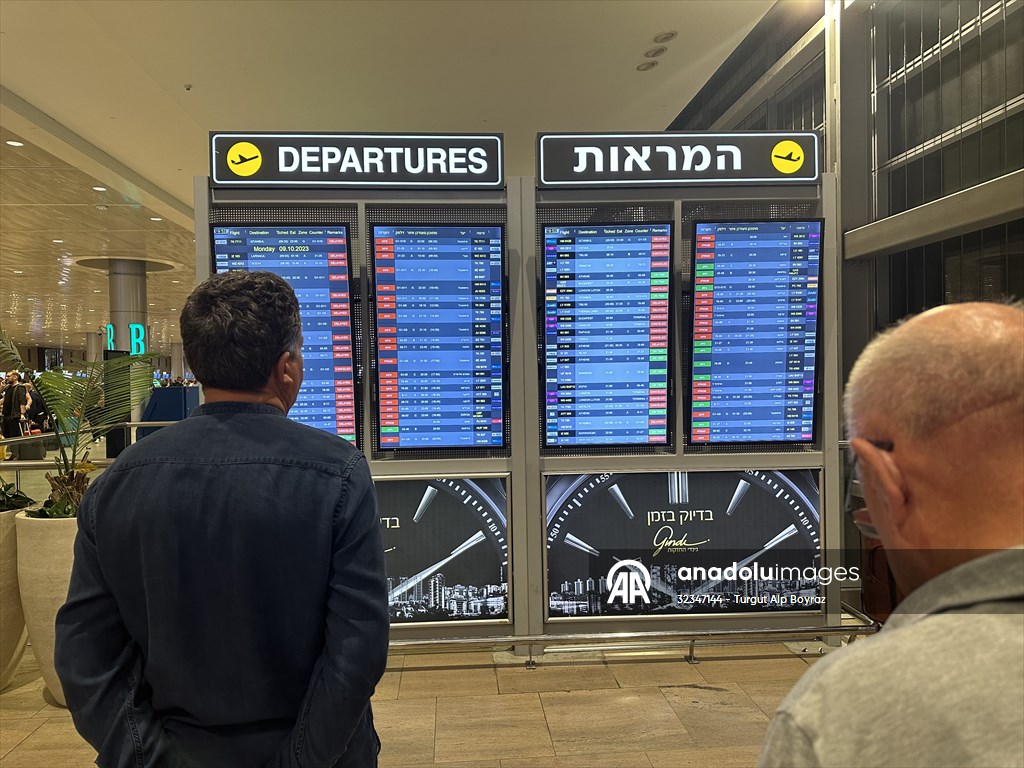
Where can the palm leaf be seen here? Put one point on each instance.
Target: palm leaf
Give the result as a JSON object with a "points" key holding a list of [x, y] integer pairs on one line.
{"points": [[84, 403]]}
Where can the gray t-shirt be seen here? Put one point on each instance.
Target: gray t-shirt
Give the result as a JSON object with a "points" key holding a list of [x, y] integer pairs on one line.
{"points": [[941, 685]]}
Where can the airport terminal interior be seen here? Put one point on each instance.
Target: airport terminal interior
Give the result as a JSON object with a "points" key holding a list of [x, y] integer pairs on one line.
{"points": [[582, 279]]}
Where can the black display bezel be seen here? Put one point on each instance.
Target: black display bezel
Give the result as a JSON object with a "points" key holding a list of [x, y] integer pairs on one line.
{"points": [[357, 384], [419, 451], [760, 444], [579, 448]]}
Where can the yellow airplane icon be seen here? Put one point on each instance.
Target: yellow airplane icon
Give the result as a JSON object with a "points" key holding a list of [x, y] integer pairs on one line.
{"points": [[787, 157], [248, 158]]}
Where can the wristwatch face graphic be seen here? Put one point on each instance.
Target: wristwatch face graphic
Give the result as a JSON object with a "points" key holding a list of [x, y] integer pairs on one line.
{"points": [[446, 548], [753, 519]]}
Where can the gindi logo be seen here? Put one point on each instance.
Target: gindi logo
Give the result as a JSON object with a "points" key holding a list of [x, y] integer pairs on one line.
{"points": [[629, 582], [787, 157], [244, 159]]}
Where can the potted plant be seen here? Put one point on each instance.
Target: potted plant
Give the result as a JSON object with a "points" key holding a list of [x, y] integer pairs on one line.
{"points": [[12, 620], [82, 404]]}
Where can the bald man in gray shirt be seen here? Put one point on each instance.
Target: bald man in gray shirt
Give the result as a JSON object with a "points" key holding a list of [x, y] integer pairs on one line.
{"points": [[935, 413]]}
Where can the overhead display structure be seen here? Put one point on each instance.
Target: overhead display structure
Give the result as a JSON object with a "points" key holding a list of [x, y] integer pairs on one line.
{"points": [[397, 246], [712, 504]]}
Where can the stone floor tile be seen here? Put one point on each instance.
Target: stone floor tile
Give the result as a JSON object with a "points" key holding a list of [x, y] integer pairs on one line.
{"points": [[654, 673], [450, 681], [621, 720], [620, 760], [15, 730], [552, 677], [406, 730], [489, 727], [717, 714], [706, 757], [387, 686], [54, 744], [767, 694], [739, 670]]}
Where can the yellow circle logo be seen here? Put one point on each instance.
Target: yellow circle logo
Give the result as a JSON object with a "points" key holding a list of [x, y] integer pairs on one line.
{"points": [[787, 157], [244, 159]]}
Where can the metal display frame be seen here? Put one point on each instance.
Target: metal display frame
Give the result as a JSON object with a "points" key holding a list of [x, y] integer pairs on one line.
{"points": [[525, 468]]}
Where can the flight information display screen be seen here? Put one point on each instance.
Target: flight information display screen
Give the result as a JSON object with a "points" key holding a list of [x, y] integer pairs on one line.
{"points": [[755, 331], [439, 294], [315, 262], [606, 334]]}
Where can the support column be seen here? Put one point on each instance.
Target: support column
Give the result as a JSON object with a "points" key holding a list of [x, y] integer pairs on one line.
{"points": [[95, 343], [177, 360], [128, 303]]}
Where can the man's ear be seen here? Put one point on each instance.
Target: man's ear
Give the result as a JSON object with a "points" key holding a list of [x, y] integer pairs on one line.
{"points": [[880, 469], [285, 368]]}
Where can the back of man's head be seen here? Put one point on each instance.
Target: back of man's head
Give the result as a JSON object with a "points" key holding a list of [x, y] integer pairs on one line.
{"points": [[935, 412], [235, 326], [938, 368]]}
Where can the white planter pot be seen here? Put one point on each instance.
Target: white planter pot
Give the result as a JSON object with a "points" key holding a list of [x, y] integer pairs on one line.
{"points": [[45, 555], [13, 634]]}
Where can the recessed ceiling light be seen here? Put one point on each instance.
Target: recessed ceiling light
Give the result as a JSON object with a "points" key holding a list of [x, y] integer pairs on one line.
{"points": [[654, 53], [152, 305], [664, 37], [646, 66], [100, 189], [19, 272], [96, 290], [92, 310], [155, 218], [13, 143], [58, 241]]}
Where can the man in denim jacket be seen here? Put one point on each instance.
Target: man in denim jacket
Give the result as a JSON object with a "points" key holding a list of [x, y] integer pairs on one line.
{"points": [[228, 604]]}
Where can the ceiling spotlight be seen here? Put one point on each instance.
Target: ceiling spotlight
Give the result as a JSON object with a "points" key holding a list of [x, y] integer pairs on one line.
{"points": [[100, 189], [13, 143], [175, 281], [58, 241], [19, 272], [646, 66], [102, 208], [654, 53], [155, 218], [96, 290], [664, 37]]}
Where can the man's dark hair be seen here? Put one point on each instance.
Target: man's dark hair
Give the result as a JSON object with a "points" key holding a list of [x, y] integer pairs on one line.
{"points": [[235, 326]]}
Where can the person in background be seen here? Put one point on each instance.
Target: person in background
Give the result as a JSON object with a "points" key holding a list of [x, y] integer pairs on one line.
{"points": [[35, 412], [13, 405], [243, 619], [935, 415]]}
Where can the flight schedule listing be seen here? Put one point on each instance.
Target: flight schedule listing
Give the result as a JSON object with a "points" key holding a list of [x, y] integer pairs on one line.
{"points": [[315, 262], [440, 340], [606, 316], [755, 321]]}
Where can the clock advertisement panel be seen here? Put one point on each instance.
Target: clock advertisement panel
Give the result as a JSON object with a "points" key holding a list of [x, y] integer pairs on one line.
{"points": [[446, 548], [679, 543]]}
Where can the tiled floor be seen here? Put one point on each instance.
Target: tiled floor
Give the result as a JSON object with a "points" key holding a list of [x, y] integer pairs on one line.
{"points": [[484, 710]]}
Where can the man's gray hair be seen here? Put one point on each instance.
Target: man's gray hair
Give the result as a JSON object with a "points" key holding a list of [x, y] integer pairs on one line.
{"points": [[921, 377]]}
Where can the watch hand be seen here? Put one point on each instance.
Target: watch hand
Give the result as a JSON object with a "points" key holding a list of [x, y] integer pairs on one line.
{"points": [[737, 496], [616, 493], [678, 488], [572, 541], [780, 537], [411, 582], [428, 496]]}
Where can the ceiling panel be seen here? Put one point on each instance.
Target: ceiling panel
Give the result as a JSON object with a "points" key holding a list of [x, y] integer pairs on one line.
{"points": [[124, 95]]}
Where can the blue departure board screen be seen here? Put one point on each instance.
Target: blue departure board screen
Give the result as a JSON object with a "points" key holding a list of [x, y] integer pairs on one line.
{"points": [[315, 262], [439, 296], [606, 335], [755, 331]]}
